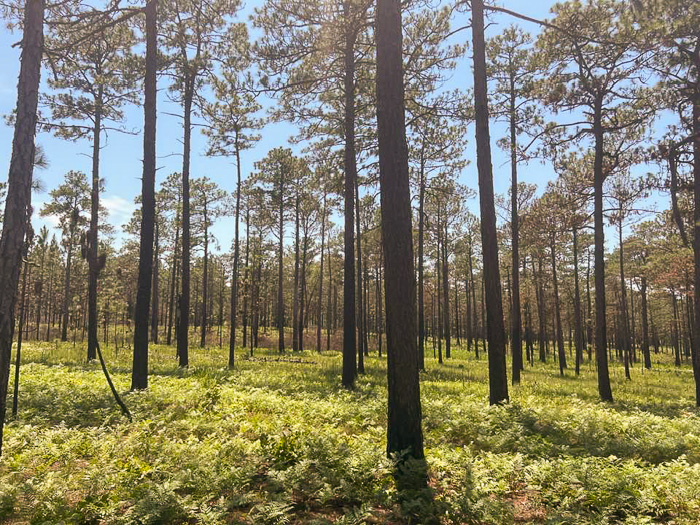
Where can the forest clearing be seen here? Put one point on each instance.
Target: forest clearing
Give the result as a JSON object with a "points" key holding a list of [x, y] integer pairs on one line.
{"points": [[279, 441]]}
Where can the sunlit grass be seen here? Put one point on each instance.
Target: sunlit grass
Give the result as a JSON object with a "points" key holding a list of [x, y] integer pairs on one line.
{"points": [[277, 441]]}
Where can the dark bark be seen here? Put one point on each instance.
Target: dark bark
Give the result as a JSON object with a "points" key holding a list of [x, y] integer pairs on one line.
{"points": [[404, 433], [557, 309], [516, 318], [18, 356], [624, 320], [19, 184], [155, 297], [645, 325], [280, 268], [498, 380], [184, 323], [246, 290], [604, 389], [93, 269], [578, 325], [139, 377], [173, 276], [319, 306], [295, 293], [359, 298], [421, 240], [446, 294], [696, 243], [350, 168], [205, 279]]}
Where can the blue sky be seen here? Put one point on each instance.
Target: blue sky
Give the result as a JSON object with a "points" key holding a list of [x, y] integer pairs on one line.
{"points": [[121, 155]]}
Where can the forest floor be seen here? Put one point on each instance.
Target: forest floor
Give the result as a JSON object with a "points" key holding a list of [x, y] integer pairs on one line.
{"points": [[279, 441]]}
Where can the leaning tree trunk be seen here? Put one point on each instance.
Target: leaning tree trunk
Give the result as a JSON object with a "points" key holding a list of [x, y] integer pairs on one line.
{"points": [[498, 380], [350, 168], [404, 433], [19, 185]]}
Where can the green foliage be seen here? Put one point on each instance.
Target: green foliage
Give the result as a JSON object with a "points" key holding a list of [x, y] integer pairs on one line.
{"points": [[281, 442]]}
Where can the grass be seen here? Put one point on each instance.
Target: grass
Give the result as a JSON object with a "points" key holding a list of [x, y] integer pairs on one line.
{"points": [[281, 442]]}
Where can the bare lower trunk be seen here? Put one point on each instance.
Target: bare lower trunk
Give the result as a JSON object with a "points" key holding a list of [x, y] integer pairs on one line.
{"points": [[498, 380], [18, 201]]}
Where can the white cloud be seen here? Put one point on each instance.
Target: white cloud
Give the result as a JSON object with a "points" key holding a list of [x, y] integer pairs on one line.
{"points": [[120, 209]]}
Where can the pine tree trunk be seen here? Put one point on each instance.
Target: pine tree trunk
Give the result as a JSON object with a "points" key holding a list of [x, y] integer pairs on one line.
{"points": [[696, 244], [319, 306], [155, 297], [183, 331], [139, 377], [18, 200], [93, 270], [404, 433], [280, 271], [421, 241], [359, 297], [557, 310], [577, 308], [173, 276], [205, 280], [498, 381], [604, 389], [645, 326], [350, 168], [516, 318], [624, 320], [295, 305]]}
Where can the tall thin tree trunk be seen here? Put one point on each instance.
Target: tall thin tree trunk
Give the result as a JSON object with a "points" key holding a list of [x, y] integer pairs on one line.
{"points": [[155, 297], [578, 326], [557, 309], [624, 321], [183, 332], [319, 306], [350, 168], [421, 240], [645, 326], [280, 271], [359, 298], [139, 377], [295, 306], [604, 389], [93, 270], [173, 276], [516, 319], [205, 280], [696, 244], [498, 380]]}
